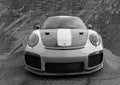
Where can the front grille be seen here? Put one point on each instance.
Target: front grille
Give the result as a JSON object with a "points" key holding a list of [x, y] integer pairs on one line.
{"points": [[33, 60], [64, 67], [95, 59]]}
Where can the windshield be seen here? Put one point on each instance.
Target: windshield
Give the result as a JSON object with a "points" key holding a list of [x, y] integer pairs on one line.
{"points": [[64, 22]]}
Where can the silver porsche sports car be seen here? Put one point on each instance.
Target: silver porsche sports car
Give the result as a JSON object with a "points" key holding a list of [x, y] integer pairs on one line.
{"points": [[63, 45]]}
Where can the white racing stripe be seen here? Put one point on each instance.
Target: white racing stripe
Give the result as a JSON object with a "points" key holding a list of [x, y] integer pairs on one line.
{"points": [[64, 37]]}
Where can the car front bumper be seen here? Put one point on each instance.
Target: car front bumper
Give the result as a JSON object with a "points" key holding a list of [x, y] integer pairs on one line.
{"points": [[39, 72], [56, 64]]}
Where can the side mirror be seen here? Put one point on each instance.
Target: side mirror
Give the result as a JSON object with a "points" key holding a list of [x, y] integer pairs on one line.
{"points": [[90, 26], [36, 26]]}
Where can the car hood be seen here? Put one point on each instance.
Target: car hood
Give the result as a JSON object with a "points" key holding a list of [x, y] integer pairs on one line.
{"points": [[64, 38]]}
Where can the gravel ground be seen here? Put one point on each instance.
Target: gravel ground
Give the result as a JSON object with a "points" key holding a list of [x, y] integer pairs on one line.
{"points": [[12, 72]]}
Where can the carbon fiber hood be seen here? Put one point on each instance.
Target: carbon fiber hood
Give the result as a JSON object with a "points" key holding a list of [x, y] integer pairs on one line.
{"points": [[77, 38]]}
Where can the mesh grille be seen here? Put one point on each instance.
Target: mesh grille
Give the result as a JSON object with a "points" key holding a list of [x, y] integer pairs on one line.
{"points": [[95, 59], [64, 67], [33, 60]]}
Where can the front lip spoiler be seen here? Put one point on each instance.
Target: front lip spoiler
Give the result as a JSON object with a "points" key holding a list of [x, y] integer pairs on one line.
{"points": [[64, 48], [36, 71]]}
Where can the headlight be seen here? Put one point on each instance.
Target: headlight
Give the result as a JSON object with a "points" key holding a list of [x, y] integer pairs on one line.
{"points": [[33, 40], [95, 39]]}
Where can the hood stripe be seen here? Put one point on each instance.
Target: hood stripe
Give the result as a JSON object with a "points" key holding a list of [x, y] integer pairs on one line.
{"points": [[64, 37]]}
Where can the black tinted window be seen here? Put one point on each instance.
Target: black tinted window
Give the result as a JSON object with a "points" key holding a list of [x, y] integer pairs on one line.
{"points": [[64, 22]]}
